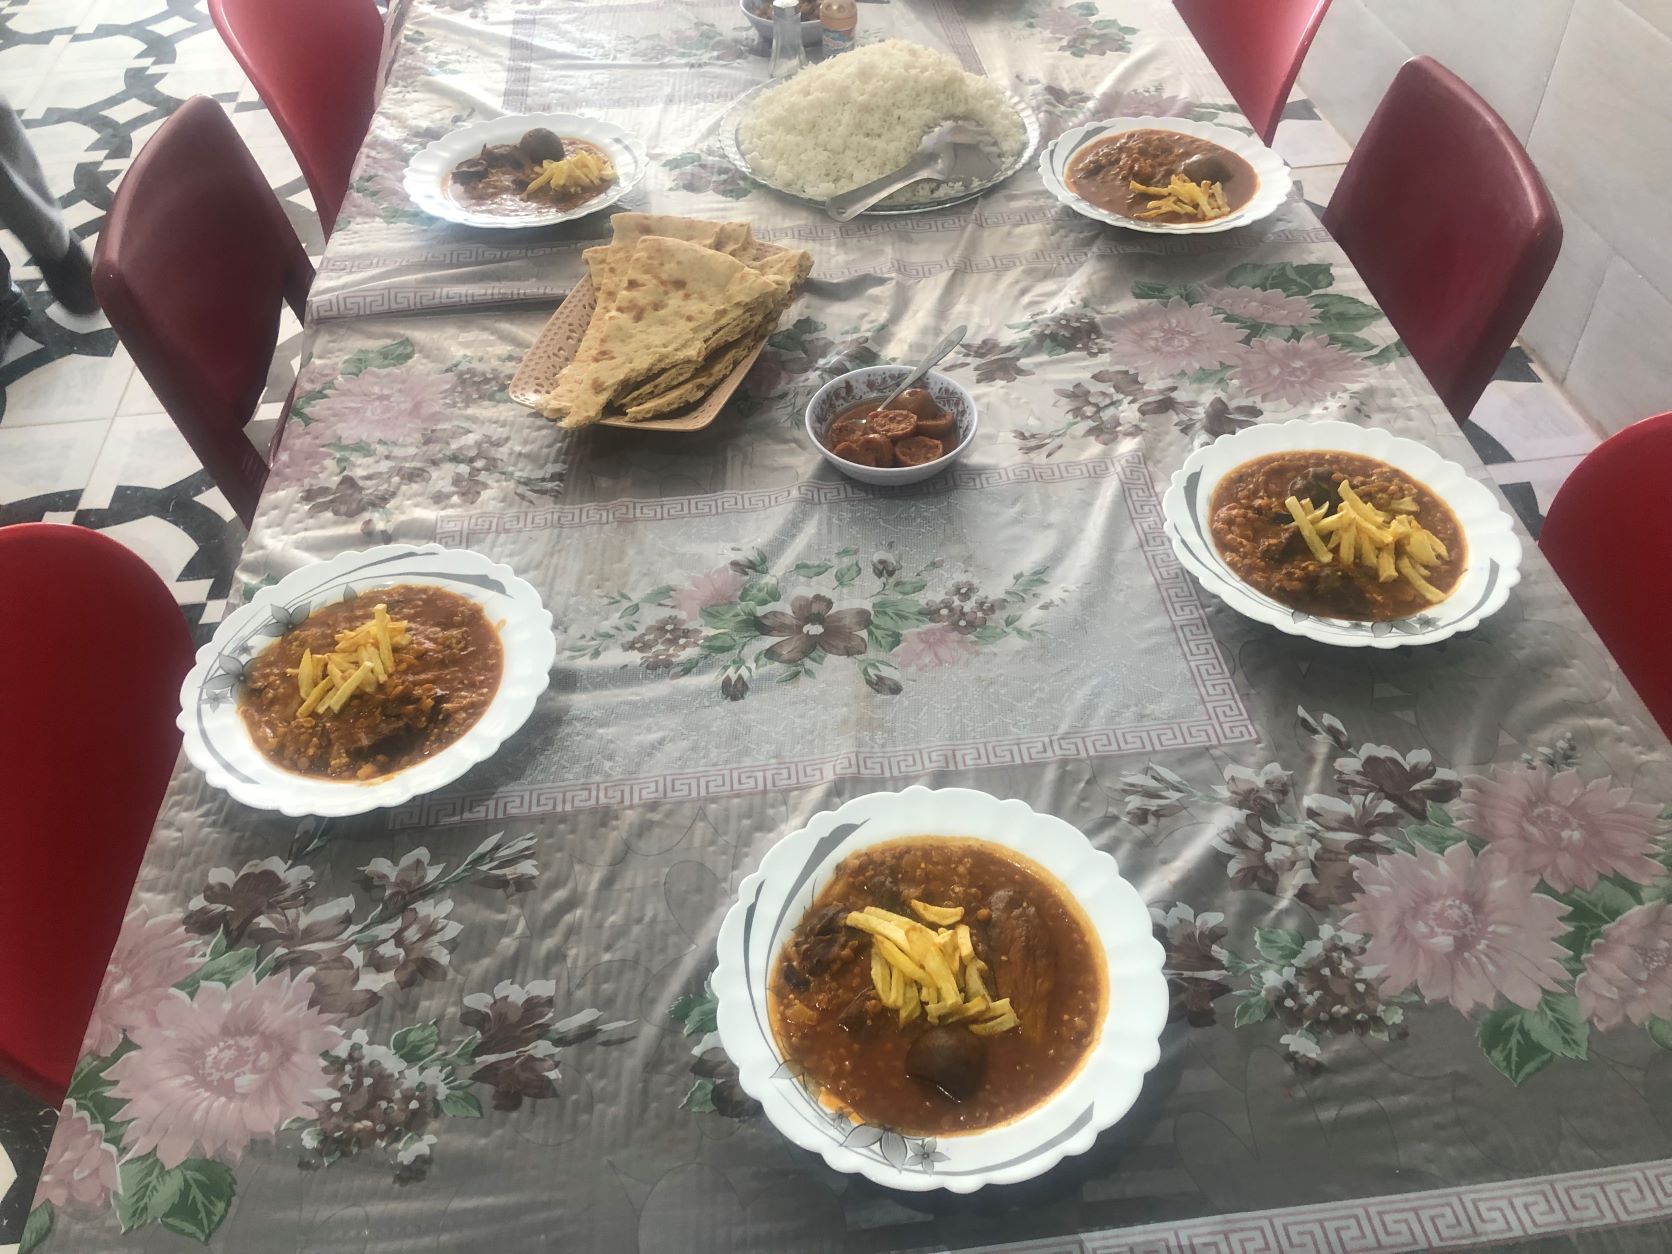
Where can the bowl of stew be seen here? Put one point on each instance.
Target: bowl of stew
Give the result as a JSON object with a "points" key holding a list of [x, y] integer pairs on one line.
{"points": [[1347, 535], [1113, 170], [930, 426], [364, 681], [940, 989]]}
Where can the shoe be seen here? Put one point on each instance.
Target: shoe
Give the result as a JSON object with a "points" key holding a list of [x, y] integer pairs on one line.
{"points": [[14, 315], [70, 279]]}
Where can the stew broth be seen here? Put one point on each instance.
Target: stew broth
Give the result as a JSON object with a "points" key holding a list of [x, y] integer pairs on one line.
{"points": [[439, 687], [1040, 948], [1251, 529], [1104, 170]]}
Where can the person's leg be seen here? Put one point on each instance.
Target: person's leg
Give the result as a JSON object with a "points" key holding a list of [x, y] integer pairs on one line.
{"points": [[28, 210]]}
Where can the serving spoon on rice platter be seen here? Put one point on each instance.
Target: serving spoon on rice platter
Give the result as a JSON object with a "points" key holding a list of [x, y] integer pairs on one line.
{"points": [[959, 151]]}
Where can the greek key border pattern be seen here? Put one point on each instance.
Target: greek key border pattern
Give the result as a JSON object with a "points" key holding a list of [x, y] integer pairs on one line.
{"points": [[524, 801], [1451, 1218], [1183, 603], [369, 302], [463, 530]]}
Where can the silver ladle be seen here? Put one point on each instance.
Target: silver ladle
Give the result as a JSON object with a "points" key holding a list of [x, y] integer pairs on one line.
{"points": [[958, 151]]}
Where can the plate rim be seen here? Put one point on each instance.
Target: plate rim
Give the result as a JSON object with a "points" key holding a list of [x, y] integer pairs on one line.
{"points": [[1112, 1075], [525, 677], [1493, 541], [421, 178], [732, 150], [1268, 165]]}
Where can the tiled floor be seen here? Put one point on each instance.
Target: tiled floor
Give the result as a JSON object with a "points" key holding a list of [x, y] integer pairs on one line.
{"points": [[83, 440]]}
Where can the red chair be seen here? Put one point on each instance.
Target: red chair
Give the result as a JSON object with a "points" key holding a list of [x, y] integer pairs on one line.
{"points": [[1452, 228], [193, 260], [1257, 49], [1619, 490], [98, 649], [314, 62]]}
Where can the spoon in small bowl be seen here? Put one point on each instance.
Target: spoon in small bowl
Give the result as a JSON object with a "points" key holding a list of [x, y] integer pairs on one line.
{"points": [[931, 359]]}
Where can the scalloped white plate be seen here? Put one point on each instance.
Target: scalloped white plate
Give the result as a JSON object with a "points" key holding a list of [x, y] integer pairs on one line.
{"points": [[771, 902], [427, 171], [1274, 176], [1494, 561], [218, 744]]}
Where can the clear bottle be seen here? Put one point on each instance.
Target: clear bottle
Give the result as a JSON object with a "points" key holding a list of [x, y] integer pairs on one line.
{"points": [[839, 18], [789, 54]]}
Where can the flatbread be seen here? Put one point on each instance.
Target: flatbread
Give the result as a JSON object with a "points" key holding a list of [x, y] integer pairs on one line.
{"points": [[731, 238], [676, 302], [790, 266], [700, 384], [623, 363]]}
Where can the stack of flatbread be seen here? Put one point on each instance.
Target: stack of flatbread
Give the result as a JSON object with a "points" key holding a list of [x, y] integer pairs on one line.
{"points": [[680, 303]]}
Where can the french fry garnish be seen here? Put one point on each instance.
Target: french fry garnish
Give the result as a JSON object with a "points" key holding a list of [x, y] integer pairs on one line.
{"points": [[917, 969], [942, 915], [1414, 577], [1302, 514]]}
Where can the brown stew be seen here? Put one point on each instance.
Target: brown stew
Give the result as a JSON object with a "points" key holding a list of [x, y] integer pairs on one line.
{"points": [[1104, 170], [439, 686], [915, 432], [495, 180], [1042, 954], [1254, 532]]}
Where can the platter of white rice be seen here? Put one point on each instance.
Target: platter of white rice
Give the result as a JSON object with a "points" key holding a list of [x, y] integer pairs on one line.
{"points": [[861, 115]]}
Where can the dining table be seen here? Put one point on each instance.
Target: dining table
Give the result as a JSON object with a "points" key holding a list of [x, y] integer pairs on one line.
{"points": [[1415, 903]]}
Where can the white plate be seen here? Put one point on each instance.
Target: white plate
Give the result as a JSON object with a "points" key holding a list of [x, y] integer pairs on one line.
{"points": [[1494, 558], [811, 32], [1274, 176], [771, 902], [218, 744], [427, 171], [732, 148]]}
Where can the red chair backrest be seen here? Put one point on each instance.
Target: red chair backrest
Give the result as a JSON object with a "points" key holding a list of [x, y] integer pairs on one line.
{"points": [[1450, 224], [1257, 47], [1606, 536], [314, 62], [96, 651], [192, 264]]}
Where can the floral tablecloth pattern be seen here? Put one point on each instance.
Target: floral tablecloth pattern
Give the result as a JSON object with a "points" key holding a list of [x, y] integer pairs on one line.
{"points": [[1417, 906]]}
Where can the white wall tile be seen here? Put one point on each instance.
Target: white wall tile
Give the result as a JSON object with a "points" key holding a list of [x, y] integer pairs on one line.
{"points": [[1502, 49], [1351, 63], [1619, 371], [1553, 328], [1607, 109], [1657, 12]]}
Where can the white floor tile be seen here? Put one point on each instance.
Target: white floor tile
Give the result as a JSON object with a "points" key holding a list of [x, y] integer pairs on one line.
{"points": [[113, 11], [165, 548], [109, 54], [1310, 142], [35, 460], [71, 389], [1546, 475], [138, 398], [34, 19], [67, 89], [191, 591], [1318, 182], [144, 451], [1533, 421], [24, 67]]}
